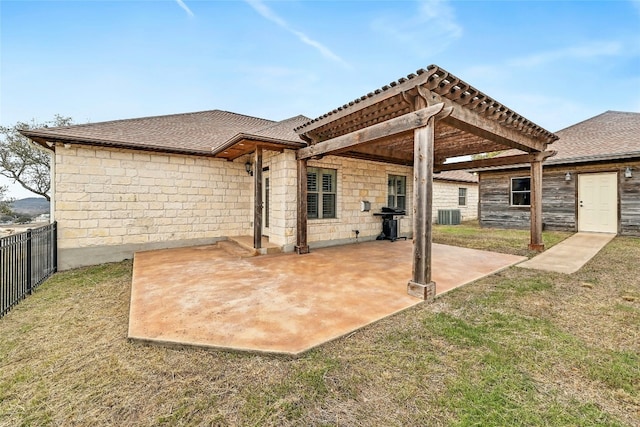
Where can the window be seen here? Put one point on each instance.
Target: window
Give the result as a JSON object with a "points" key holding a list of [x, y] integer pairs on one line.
{"points": [[462, 196], [321, 193], [521, 191], [397, 194]]}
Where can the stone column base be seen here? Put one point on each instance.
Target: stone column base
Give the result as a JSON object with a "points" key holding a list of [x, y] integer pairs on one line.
{"points": [[426, 292]]}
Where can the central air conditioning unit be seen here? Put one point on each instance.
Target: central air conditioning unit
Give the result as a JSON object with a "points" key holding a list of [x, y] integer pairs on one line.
{"points": [[449, 216]]}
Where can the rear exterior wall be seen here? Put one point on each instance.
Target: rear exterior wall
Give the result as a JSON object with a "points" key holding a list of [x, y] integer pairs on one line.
{"points": [[559, 197], [110, 203]]}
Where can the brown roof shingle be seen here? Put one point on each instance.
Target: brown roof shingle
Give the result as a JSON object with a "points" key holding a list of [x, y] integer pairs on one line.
{"points": [[610, 135], [456, 175], [196, 132], [607, 136]]}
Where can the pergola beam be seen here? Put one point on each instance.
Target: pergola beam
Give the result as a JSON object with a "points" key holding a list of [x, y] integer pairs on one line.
{"points": [[378, 131], [495, 161], [471, 122]]}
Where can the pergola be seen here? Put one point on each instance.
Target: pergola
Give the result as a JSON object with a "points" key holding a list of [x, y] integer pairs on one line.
{"points": [[423, 120]]}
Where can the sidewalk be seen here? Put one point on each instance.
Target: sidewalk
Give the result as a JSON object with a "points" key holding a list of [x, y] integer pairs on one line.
{"points": [[571, 254]]}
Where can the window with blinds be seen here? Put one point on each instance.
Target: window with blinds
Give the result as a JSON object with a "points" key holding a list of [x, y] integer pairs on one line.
{"points": [[321, 193]]}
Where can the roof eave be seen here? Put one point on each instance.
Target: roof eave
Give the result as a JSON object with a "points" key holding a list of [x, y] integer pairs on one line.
{"points": [[559, 162], [43, 138], [238, 138]]}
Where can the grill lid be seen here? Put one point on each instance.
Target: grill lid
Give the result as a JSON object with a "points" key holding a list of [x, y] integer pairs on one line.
{"points": [[396, 211]]}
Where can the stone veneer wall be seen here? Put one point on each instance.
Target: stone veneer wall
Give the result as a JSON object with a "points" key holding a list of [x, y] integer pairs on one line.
{"points": [[110, 203], [445, 196], [357, 181], [283, 178]]}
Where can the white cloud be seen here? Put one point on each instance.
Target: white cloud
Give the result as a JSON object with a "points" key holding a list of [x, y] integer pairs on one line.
{"points": [[266, 12], [185, 7], [432, 28], [585, 52]]}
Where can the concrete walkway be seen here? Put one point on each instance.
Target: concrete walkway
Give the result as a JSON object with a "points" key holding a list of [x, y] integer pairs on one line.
{"points": [[286, 303], [571, 254]]}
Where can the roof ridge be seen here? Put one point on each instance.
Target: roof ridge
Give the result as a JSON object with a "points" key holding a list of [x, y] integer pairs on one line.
{"points": [[595, 117], [278, 123], [151, 117]]}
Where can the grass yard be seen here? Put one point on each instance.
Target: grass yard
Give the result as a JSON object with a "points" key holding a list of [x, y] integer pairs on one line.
{"points": [[518, 348]]}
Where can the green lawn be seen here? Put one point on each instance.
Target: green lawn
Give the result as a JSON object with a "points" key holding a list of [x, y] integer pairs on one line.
{"points": [[518, 348]]}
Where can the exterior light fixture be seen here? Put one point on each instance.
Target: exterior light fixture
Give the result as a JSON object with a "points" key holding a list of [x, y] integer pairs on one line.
{"points": [[247, 167], [567, 177], [627, 172]]}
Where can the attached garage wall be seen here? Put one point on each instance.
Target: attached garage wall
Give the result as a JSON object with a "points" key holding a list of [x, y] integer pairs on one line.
{"points": [[111, 203]]}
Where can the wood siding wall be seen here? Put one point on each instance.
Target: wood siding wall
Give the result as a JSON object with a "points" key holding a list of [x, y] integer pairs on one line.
{"points": [[559, 201], [629, 189]]}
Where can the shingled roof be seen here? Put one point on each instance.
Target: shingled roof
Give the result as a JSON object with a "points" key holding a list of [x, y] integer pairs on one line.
{"points": [[276, 135], [611, 135], [457, 176], [188, 133]]}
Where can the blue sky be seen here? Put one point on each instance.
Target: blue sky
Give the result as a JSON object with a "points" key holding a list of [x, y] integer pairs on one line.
{"points": [[555, 62]]}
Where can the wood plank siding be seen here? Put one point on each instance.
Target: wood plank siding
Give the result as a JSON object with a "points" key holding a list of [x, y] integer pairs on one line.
{"points": [[629, 190], [559, 197]]}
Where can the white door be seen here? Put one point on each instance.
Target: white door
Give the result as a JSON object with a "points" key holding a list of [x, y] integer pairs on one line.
{"points": [[265, 202], [598, 202]]}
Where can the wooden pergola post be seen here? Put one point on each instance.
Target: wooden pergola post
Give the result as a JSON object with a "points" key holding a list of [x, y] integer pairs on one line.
{"points": [[257, 207], [302, 247], [421, 285], [536, 242]]}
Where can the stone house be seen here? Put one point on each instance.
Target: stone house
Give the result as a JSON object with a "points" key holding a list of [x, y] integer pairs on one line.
{"points": [[188, 179], [591, 184], [156, 182]]}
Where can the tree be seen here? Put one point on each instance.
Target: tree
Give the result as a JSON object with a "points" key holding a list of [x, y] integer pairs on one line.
{"points": [[22, 161], [488, 155], [5, 204]]}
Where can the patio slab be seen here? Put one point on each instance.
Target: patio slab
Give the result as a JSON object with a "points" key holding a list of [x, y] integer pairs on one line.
{"points": [[284, 303]]}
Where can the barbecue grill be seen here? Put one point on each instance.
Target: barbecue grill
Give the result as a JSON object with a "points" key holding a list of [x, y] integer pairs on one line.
{"points": [[390, 217]]}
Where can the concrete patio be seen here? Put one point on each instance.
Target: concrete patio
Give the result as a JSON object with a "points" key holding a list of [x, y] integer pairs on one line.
{"points": [[217, 297]]}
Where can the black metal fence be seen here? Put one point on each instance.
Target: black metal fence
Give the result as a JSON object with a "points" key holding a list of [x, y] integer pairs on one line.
{"points": [[27, 259]]}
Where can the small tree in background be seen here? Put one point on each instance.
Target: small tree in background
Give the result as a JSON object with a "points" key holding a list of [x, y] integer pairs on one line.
{"points": [[5, 204], [21, 161], [488, 155]]}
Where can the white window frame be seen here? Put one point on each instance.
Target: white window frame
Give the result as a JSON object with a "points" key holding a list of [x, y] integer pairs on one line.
{"points": [[321, 192], [462, 196]]}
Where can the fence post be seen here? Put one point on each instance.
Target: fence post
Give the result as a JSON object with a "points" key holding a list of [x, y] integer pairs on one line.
{"points": [[29, 284], [54, 247]]}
